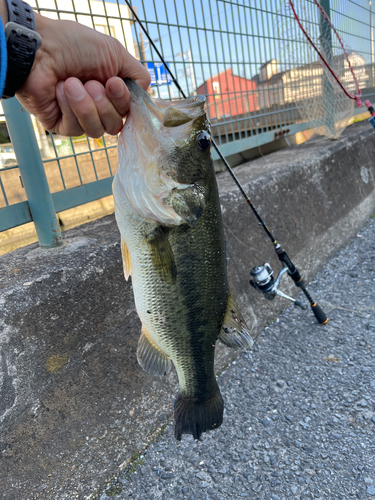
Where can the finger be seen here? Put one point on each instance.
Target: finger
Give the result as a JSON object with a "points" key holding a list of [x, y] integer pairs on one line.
{"points": [[108, 114], [67, 123], [118, 94], [83, 108]]}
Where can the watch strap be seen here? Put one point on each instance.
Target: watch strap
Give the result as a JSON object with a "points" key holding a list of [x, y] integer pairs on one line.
{"points": [[3, 58], [21, 13], [22, 44]]}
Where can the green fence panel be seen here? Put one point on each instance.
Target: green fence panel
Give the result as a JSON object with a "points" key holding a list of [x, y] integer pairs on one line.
{"points": [[241, 54]]}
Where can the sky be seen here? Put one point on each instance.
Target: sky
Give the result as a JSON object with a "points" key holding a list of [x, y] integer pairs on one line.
{"points": [[244, 34]]}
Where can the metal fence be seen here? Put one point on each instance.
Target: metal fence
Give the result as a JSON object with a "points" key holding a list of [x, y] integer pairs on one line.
{"points": [[239, 53]]}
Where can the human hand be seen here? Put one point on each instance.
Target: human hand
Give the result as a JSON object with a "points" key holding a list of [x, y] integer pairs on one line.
{"points": [[75, 86]]}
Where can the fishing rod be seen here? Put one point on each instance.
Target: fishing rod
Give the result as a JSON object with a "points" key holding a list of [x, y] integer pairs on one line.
{"points": [[263, 275]]}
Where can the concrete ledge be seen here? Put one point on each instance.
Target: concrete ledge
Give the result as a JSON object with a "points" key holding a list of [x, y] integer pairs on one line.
{"points": [[74, 404]]}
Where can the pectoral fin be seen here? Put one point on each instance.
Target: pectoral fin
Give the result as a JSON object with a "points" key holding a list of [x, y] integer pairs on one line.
{"points": [[162, 255], [151, 358], [126, 260], [234, 332], [188, 203]]}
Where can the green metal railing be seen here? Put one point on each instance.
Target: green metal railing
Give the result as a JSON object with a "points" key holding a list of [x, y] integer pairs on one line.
{"points": [[219, 48]]}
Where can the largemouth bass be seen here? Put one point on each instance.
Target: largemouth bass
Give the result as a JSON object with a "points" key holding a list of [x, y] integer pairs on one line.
{"points": [[168, 212]]}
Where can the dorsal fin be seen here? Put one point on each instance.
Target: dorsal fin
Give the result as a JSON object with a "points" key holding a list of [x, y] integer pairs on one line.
{"points": [[151, 358], [234, 332], [126, 260]]}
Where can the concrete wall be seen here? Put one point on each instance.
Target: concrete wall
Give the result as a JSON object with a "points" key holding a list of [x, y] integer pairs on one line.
{"points": [[74, 404]]}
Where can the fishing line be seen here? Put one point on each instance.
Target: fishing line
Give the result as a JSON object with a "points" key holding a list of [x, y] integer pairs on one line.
{"points": [[262, 281]]}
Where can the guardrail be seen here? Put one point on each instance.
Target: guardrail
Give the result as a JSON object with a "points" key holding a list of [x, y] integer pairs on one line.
{"points": [[227, 50]]}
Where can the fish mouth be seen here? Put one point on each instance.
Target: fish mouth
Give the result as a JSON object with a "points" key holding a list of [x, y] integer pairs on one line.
{"points": [[169, 114], [154, 148], [190, 102]]}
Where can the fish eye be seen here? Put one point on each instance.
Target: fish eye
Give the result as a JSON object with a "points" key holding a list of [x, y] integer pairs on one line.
{"points": [[203, 140]]}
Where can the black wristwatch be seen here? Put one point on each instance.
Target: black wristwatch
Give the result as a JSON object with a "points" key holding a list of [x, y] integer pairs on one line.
{"points": [[22, 43]]}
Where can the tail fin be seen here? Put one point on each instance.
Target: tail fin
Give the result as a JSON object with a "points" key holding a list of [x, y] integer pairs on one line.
{"points": [[194, 415]]}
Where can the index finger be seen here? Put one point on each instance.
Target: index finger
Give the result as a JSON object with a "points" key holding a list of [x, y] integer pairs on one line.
{"points": [[133, 69]]}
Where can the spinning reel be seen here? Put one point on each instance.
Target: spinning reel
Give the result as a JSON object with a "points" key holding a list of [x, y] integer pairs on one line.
{"points": [[264, 282]]}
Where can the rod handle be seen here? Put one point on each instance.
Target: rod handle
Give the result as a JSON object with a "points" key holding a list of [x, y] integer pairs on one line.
{"points": [[293, 271], [319, 314]]}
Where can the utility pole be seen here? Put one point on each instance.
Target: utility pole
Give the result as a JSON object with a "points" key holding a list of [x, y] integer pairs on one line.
{"points": [[192, 77], [140, 44], [187, 55], [142, 52]]}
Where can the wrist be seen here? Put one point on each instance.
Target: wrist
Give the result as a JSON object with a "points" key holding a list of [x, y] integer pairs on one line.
{"points": [[3, 12], [54, 35], [22, 42], [42, 24], [41, 27]]}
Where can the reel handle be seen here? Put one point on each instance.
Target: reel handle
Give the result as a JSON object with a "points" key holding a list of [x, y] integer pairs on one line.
{"points": [[319, 314], [300, 304]]}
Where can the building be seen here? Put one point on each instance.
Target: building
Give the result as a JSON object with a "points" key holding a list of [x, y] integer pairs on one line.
{"points": [[370, 71], [269, 83], [229, 95], [306, 81]]}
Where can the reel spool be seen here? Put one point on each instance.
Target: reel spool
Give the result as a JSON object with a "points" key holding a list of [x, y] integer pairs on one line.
{"points": [[264, 282]]}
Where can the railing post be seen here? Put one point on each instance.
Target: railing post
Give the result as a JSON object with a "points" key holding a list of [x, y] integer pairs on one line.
{"points": [[33, 174], [327, 88]]}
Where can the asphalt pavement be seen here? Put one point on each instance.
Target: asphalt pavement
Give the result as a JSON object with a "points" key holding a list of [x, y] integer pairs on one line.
{"points": [[299, 420]]}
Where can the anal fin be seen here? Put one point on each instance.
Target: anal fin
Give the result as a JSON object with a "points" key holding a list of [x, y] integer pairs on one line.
{"points": [[126, 260], [151, 358], [234, 332]]}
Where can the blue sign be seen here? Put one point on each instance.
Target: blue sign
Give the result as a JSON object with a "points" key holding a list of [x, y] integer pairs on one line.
{"points": [[159, 74]]}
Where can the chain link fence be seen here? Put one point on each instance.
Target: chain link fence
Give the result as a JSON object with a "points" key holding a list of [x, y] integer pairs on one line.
{"points": [[232, 51]]}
